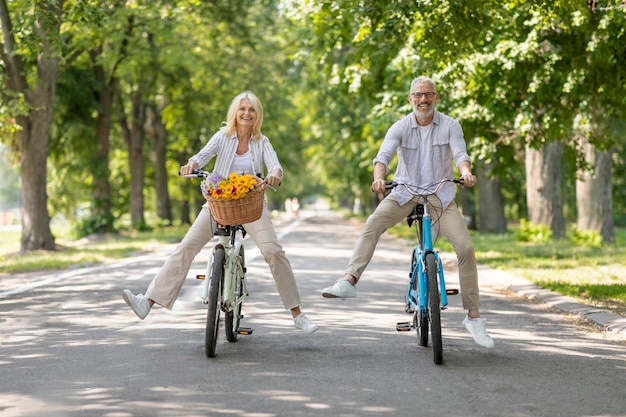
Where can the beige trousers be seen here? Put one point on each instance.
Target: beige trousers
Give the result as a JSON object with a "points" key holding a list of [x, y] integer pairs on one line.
{"points": [[452, 226], [166, 285]]}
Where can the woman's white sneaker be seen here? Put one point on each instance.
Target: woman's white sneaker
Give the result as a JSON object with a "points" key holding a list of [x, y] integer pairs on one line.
{"points": [[138, 303]]}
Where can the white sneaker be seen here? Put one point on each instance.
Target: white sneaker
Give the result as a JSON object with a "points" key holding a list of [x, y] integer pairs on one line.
{"points": [[477, 328], [340, 289], [138, 303], [302, 322]]}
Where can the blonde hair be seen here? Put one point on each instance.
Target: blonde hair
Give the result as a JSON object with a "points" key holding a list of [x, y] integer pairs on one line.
{"points": [[230, 127]]}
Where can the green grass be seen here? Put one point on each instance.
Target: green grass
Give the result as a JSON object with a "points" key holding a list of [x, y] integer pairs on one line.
{"points": [[595, 276], [84, 252]]}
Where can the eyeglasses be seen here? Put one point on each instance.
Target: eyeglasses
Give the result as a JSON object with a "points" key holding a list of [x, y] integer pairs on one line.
{"points": [[427, 95]]}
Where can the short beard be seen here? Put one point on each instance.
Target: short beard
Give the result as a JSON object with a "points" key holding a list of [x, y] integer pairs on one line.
{"points": [[422, 115]]}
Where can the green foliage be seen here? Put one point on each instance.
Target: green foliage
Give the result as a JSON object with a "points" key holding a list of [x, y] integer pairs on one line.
{"points": [[90, 225], [590, 238], [535, 233], [333, 76]]}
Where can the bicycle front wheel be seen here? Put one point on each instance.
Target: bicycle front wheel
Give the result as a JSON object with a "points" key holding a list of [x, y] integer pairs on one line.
{"points": [[215, 301], [434, 307], [233, 317]]}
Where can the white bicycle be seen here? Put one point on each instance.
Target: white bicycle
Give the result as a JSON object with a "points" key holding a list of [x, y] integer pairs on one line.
{"points": [[224, 288]]}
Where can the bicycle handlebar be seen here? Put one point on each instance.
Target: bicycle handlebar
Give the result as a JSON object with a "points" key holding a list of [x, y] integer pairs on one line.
{"points": [[200, 173], [196, 173], [393, 184]]}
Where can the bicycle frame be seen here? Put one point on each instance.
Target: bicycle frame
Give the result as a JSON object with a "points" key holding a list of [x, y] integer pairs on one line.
{"points": [[226, 239], [224, 288], [427, 295], [425, 246]]}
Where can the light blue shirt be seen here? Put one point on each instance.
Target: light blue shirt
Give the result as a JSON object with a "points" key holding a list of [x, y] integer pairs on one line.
{"points": [[424, 160]]}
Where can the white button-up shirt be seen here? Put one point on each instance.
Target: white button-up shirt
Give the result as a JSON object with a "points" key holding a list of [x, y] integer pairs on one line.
{"points": [[424, 159], [224, 148]]}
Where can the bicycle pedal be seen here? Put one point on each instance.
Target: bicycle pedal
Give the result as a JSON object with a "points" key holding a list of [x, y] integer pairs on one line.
{"points": [[200, 276], [404, 327], [452, 292], [244, 330]]}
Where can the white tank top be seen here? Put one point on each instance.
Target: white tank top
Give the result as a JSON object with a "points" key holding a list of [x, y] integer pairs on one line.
{"points": [[242, 164]]}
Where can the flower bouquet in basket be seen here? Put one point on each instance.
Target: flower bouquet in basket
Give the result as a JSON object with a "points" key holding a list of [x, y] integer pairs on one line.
{"points": [[236, 199]]}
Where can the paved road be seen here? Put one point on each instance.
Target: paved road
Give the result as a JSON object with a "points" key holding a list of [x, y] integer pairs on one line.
{"points": [[72, 348]]}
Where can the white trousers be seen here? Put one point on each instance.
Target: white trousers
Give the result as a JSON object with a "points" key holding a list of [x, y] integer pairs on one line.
{"points": [[166, 285]]}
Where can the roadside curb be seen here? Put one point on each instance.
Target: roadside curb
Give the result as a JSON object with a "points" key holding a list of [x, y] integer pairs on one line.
{"points": [[611, 322]]}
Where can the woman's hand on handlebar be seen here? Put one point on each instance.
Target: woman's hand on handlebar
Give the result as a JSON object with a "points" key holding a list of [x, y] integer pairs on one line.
{"points": [[188, 169], [272, 181]]}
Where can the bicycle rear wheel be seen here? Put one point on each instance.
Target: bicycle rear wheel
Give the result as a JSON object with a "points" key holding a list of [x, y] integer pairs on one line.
{"points": [[233, 317], [434, 307], [215, 301]]}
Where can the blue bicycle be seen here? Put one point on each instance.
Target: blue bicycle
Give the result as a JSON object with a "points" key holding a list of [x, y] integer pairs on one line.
{"points": [[427, 295]]}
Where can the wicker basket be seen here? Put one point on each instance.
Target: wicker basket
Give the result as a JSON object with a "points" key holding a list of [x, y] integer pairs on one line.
{"points": [[241, 211]]}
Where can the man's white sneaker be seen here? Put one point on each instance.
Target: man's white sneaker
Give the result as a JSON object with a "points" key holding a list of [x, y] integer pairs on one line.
{"points": [[138, 303], [340, 289], [305, 324], [477, 328]]}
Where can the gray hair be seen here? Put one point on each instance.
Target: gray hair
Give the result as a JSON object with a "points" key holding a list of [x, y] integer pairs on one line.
{"points": [[422, 79]]}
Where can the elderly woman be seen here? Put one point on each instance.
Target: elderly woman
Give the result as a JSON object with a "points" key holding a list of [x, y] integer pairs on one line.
{"points": [[239, 146]]}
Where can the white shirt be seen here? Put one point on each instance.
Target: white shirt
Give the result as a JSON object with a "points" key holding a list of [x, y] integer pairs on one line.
{"points": [[424, 157], [242, 164], [224, 149]]}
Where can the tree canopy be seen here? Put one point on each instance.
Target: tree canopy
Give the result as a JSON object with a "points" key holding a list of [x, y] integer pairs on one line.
{"points": [[139, 86]]}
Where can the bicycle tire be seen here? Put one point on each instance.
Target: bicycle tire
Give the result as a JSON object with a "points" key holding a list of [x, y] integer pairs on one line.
{"points": [[233, 317], [215, 300], [434, 308]]}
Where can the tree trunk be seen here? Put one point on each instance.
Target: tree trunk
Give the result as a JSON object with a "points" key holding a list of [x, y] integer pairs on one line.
{"points": [[34, 138], [490, 202], [543, 187], [134, 135], [100, 170], [34, 143], [158, 135], [594, 192]]}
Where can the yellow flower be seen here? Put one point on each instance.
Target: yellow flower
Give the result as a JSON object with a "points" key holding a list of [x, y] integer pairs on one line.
{"points": [[232, 188]]}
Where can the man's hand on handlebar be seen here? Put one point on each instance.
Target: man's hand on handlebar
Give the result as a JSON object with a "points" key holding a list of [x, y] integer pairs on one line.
{"points": [[379, 186], [469, 180]]}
